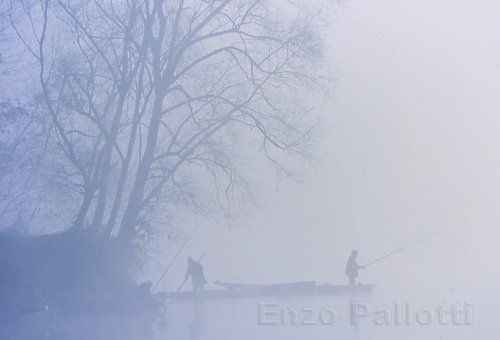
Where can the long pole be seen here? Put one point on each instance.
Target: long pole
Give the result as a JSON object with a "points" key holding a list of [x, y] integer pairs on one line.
{"points": [[185, 279], [175, 258], [404, 248], [451, 227]]}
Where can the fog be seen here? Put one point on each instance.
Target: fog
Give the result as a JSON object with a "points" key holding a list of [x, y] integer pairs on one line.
{"points": [[408, 148], [411, 148]]}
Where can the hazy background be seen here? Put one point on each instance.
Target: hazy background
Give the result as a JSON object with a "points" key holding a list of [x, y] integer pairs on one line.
{"points": [[411, 147]]}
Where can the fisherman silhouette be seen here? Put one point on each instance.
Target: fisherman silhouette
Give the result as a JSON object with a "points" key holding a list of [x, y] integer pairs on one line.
{"points": [[195, 270], [352, 268]]}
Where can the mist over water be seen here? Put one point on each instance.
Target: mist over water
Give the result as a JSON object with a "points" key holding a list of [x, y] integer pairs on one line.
{"points": [[410, 149]]}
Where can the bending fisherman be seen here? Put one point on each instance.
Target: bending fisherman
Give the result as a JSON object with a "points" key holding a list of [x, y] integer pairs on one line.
{"points": [[352, 268], [195, 270]]}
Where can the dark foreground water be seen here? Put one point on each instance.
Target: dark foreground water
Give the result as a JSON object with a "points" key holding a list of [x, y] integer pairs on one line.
{"points": [[372, 317]]}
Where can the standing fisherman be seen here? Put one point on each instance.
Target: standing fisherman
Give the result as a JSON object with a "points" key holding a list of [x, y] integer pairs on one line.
{"points": [[195, 270], [352, 267]]}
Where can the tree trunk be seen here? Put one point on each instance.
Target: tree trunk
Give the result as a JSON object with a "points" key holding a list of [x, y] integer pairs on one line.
{"points": [[135, 202], [84, 208]]}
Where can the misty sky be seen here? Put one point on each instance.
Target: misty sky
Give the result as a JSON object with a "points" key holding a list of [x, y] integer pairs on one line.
{"points": [[412, 147]]}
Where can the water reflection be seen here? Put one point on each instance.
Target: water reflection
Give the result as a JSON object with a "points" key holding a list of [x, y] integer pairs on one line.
{"points": [[234, 319], [197, 322]]}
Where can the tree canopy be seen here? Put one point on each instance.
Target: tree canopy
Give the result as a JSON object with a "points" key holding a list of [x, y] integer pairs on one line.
{"points": [[141, 106]]}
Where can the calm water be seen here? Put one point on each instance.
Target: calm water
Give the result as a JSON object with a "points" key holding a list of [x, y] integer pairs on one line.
{"points": [[380, 316]]}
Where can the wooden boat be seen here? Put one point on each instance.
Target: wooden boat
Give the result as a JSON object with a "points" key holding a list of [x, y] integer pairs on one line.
{"points": [[331, 289], [289, 289], [280, 287]]}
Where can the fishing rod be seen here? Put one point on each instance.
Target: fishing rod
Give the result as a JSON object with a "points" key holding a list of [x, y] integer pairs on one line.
{"points": [[185, 279], [175, 257], [405, 247], [454, 226]]}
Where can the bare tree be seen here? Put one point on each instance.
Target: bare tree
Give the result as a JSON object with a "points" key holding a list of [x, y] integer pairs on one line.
{"points": [[148, 100], [4, 24]]}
